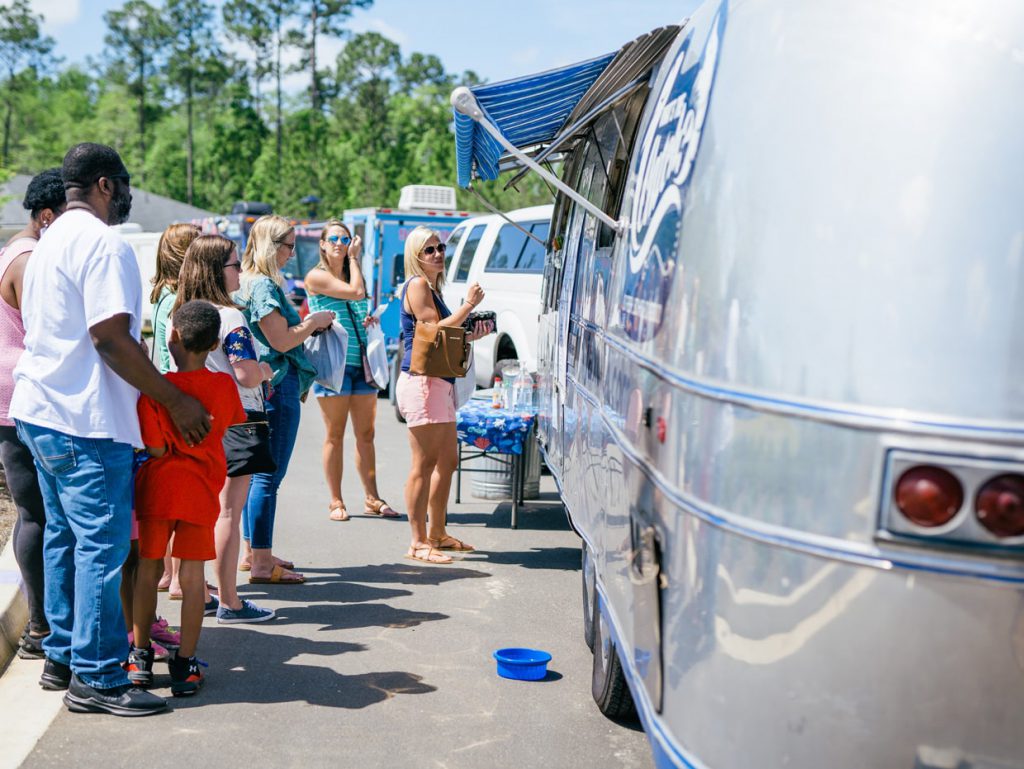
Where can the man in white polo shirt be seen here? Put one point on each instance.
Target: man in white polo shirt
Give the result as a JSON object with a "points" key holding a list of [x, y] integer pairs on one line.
{"points": [[74, 404]]}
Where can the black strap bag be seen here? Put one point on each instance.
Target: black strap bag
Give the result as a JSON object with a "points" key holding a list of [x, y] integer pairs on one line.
{"points": [[247, 446]]}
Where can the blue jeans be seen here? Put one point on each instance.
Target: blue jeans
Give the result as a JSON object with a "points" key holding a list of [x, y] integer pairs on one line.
{"points": [[283, 409], [87, 491]]}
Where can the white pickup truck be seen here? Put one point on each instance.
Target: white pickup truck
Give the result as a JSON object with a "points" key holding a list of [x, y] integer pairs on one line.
{"points": [[508, 264]]}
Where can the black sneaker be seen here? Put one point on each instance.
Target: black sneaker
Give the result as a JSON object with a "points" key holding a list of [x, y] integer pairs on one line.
{"points": [[140, 666], [124, 700], [30, 647], [56, 676], [186, 677]]}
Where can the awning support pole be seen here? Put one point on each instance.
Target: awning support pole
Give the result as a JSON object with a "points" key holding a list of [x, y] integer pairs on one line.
{"points": [[464, 102], [495, 210]]}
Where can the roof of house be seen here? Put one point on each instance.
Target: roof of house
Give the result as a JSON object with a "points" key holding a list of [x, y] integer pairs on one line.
{"points": [[151, 211]]}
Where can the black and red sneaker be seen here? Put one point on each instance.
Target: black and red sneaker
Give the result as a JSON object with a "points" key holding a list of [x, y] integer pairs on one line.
{"points": [[140, 666], [186, 677]]}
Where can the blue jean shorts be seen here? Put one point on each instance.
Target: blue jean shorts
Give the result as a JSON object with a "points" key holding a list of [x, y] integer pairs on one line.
{"points": [[354, 384]]}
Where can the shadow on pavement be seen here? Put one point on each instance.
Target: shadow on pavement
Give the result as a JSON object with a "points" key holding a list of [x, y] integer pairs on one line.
{"points": [[408, 573], [556, 558], [323, 589], [329, 617], [537, 515], [282, 679]]}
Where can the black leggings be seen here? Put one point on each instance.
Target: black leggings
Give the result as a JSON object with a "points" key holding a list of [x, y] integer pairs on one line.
{"points": [[28, 529]]}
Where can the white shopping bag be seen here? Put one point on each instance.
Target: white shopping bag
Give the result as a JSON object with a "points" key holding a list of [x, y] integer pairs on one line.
{"points": [[465, 386], [327, 352], [377, 356]]}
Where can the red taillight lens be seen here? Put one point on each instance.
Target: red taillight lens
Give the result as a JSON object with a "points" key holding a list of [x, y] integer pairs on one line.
{"points": [[1000, 506], [929, 496]]}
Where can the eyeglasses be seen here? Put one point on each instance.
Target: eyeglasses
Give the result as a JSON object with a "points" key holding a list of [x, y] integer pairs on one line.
{"points": [[236, 265], [289, 246], [440, 248], [343, 239], [126, 176]]}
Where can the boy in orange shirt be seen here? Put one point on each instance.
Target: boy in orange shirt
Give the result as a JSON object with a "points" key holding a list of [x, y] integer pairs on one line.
{"points": [[176, 493]]}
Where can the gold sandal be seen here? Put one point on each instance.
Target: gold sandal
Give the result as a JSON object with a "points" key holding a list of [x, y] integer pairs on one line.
{"points": [[338, 513], [381, 508], [448, 542]]}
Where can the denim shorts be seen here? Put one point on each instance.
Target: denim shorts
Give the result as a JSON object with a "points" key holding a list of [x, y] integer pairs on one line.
{"points": [[354, 384]]}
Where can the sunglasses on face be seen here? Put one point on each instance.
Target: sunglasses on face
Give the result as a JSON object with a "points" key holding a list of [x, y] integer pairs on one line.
{"points": [[289, 246], [343, 239], [439, 248]]}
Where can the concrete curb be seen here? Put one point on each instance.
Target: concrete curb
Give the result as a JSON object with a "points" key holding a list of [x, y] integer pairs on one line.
{"points": [[13, 605]]}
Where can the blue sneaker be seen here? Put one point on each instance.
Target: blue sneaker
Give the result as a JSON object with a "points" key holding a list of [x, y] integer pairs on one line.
{"points": [[249, 613], [211, 606]]}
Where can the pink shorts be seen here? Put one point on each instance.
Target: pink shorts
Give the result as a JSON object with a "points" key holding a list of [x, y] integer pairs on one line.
{"points": [[425, 400]]}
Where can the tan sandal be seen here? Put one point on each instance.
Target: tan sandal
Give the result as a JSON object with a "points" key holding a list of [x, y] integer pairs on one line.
{"points": [[338, 513], [381, 508], [448, 542], [432, 556]]}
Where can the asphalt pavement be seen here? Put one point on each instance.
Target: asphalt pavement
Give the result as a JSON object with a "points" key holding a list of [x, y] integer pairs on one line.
{"points": [[378, 661]]}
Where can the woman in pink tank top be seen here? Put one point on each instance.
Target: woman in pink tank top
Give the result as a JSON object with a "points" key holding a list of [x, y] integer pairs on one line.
{"points": [[45, 201]]}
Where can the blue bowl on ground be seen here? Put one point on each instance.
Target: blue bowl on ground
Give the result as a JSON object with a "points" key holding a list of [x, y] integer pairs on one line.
{"points": [[522, 664]]}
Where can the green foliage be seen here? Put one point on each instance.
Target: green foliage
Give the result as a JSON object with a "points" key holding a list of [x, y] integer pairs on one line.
{"points": [[196, 121]]}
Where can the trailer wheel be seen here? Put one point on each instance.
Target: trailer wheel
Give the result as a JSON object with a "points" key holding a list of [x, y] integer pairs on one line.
{"points": [[589, 593], [607, 682]]}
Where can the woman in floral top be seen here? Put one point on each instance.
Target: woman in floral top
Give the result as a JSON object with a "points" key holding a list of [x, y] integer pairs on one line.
{"points": [[210, 271]]}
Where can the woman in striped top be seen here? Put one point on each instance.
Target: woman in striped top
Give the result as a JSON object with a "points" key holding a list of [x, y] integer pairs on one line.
{"points": [[336, 284]]}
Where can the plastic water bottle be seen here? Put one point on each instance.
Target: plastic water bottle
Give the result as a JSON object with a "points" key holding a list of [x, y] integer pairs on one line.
{"points": [[522, 390], [496, 394]]}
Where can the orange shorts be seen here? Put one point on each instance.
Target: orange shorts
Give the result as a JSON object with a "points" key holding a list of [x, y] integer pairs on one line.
{"points": [[192, 542], [425, 400]]}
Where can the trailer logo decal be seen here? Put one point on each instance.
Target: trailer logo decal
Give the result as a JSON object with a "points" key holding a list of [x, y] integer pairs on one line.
{"points": [[664, 165]]}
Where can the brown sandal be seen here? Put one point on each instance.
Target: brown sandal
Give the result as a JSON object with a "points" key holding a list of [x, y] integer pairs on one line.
{"points": [[338, 513], [448, 542], [432, 556], [381, 508]]}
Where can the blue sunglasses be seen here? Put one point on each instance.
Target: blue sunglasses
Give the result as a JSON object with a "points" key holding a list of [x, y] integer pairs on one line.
{"points": [[343, 239]]}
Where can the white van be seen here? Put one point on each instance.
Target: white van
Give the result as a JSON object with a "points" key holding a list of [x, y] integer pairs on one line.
{"points": [[507, 259], [782, 367], [144, 244]]}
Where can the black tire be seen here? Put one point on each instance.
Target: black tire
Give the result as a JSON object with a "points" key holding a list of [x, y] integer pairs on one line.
{"points": [[589, 593], [607, 681]]}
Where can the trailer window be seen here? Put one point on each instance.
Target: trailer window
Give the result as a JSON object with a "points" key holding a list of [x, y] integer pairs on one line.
{"points": [[468, 251]]}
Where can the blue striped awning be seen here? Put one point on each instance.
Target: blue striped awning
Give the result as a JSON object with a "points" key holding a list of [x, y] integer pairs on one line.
{"points": [[528, 110]]}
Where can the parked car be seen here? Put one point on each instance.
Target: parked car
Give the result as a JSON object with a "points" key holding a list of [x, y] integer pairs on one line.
{"points": [[781, 378], [507, 259], [144, 244]]}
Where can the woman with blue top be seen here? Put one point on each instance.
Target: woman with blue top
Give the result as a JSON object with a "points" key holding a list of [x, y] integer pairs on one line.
{"points": [[428, 402], [279, 334], [336, 284]]}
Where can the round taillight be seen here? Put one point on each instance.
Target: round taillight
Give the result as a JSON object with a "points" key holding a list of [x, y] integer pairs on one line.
{"points": [[1000, 506], [929, 496]]}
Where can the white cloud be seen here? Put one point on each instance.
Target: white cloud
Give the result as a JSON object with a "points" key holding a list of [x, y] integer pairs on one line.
{"points": [[379, 25], [57, 13]]}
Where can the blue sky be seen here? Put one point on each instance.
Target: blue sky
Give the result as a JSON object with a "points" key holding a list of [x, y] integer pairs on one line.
{"points": [[496, 39]]}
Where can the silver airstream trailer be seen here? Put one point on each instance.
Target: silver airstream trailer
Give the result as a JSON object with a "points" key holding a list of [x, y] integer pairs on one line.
{"points": [[783, 378]]}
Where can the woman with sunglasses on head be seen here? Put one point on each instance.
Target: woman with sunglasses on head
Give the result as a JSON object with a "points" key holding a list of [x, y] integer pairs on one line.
{"points": [[279, 333], [336, 284], [428, 403], [211, 271]]}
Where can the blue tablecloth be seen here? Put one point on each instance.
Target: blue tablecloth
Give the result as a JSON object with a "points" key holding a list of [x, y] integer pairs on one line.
{"points": [[489, 429]]}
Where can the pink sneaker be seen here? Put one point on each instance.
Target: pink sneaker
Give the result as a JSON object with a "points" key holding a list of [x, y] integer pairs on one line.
{"points": [[164, 634], [160, 654]]}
